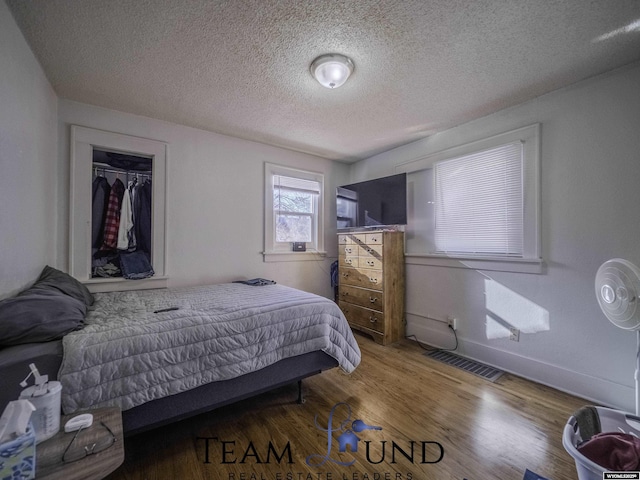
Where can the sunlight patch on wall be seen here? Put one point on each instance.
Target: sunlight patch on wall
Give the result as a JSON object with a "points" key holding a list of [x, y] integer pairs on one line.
{"points": [[495, 330], [507, 309], [630, 28]]}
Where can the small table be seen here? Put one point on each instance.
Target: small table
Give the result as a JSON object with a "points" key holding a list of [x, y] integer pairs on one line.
{"points": [[49, 464]]}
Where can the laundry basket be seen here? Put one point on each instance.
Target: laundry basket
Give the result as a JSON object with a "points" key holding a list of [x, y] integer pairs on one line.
{"points": [[608, 420]]}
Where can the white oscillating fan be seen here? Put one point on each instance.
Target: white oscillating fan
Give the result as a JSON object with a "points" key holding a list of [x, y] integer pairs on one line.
{"points": [[618, 293]]}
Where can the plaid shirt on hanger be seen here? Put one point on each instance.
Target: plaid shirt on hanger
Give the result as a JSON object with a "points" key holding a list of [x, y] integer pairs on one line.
{"points": [[112, 219]]}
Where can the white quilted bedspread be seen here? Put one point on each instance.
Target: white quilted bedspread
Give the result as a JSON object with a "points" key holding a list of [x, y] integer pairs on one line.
{"points": [[128, 355]]}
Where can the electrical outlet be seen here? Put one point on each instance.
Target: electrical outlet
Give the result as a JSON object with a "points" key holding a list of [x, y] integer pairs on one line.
{"points": [[452, 322], [514, 334]]}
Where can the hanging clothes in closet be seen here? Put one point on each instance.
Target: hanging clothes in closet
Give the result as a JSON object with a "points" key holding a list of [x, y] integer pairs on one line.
{"points": [[100, 199], [126, 221], [142, 214], [135, 263], [112, 219], [121, 228]]}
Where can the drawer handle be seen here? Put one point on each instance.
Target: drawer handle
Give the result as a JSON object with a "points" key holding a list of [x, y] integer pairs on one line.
{"points": [[373, 280], [373, 300], [348, 261], [344, 294], [345, 275], [371, 263], [373, 319], [369, 250], [348, 250]]}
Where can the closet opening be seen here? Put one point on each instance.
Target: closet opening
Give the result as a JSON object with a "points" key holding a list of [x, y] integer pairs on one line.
{"points": [[121, 216], [122, 248]]}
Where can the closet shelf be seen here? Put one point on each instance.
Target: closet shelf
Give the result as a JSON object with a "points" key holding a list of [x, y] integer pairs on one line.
{"points": [[120, 284]]}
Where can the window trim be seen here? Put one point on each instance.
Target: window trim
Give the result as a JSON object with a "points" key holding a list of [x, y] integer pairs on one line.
{"points": [[531, 261], [278, 251]]}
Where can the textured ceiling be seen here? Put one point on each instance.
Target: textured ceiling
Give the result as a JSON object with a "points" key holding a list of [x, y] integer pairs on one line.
{"points": [[241, 67]]}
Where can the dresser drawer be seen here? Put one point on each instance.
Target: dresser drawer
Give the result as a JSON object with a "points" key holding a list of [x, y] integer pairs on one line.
{"points": [[348, 249], [344, 239], [370, 250], [370, 262], [365, 298], [361, 277], [348, 261], [358, 238], [373, 238], [363, 317]]}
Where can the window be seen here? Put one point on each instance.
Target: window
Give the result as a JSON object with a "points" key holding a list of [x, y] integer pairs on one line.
{"points": [[477, 205], [293, 210], [295, 203]]}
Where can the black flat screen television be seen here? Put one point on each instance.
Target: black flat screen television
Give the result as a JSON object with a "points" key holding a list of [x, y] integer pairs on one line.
{"points": [[373, 203]]}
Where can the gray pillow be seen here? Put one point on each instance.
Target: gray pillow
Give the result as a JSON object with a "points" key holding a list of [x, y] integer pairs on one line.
{"points": [[55, 280], [39, 316]]}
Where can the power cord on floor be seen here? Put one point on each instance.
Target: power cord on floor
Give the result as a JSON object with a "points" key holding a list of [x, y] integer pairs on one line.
{"points": [[429, 349]]}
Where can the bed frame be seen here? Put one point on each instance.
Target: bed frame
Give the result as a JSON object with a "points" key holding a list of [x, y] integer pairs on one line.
{"points": [[14, 366]]}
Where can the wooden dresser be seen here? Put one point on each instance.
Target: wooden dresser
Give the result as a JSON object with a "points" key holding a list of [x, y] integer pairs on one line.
{"points": [[371, 285]]}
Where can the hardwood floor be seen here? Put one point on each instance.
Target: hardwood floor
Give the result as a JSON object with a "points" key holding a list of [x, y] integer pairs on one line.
{"points": [[487, 431]]}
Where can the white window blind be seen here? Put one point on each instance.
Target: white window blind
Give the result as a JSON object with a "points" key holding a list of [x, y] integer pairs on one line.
{"points": [[479, 203], [298, 184]]}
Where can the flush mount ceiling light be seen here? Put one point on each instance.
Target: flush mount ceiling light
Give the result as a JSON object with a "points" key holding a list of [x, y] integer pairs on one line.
{"points": [[331, 70]]}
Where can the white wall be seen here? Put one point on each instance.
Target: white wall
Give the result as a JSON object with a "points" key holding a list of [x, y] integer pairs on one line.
{"points": [[215, 200], [590, 180], [28, 108]]}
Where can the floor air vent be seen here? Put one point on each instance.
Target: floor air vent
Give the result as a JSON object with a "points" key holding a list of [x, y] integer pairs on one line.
{"points": [[471, 366]]}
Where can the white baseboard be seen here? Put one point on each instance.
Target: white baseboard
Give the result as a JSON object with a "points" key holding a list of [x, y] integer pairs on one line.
{"points": [[595, 390]]}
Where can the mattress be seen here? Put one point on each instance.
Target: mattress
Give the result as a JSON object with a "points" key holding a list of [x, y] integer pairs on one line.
{"points": [[139, 346]]}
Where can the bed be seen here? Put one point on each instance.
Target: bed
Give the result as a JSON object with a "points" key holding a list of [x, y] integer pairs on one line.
{"points": [[164, 355]]}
